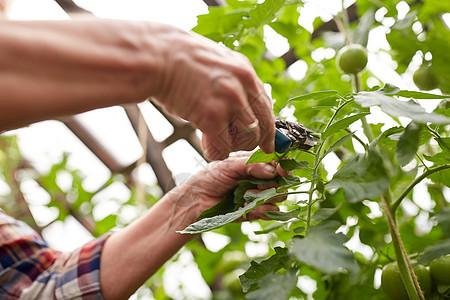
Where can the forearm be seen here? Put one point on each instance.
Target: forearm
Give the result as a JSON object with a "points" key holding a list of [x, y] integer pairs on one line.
{"points": [[56, 68], [139, 250]]}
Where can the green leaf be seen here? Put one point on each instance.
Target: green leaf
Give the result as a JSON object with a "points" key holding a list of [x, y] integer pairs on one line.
{"points": [[432, 252], [444, 143], [269, 228], [390, 131], [315, 96], [106, 224], [274, 286], [220, 23], [420, 95], [443, 219], [223, 207], [291, 164], [338, 144], [264, 12], [260, 157], [365, 24], [239, 192], [397, 108], [364, 177], [257, 271], [341, 124], [324, 249], [324, 213], [220, 220], [408, 144], [283, 216]]}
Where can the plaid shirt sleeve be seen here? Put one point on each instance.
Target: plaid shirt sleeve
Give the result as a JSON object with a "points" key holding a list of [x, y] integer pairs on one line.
{"points": [[29, 269]]}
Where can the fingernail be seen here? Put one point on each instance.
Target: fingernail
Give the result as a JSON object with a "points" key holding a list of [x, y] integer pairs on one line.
{"points": [[269, 169]]}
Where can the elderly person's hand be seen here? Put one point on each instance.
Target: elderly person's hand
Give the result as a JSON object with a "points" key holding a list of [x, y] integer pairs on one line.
{"points": [[147, 243], [218, 91], [209, 186]]}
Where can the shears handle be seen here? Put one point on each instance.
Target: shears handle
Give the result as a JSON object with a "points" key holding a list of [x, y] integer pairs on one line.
{"points": [[282, 142]]}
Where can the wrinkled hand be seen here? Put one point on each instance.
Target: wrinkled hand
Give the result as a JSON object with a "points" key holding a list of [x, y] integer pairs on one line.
{"points": [[208, 187], [218, 91]]}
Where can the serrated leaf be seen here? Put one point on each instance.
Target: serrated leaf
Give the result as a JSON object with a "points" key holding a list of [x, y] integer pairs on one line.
{"points": [[256, 271], [274, 286], [432, 252], [443, 219], [106, 224], [220, 22], [397, 108], [324, 249], [420, 95], [221, 208], [239, 192], [390, 131], [269, 228], [291, 164], [365, 23], [220, 220], [408, 144], [324, 213], [315, 96], [283, 216], [260, 157], [289, 180], [364, 177], [263, 13], [338, 144], [341, 124], [444, 143]]}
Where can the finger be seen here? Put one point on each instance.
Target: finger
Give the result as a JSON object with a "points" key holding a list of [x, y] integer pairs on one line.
{"points": [[214, 149], [262, 108], [259, 102], [244, 130]]}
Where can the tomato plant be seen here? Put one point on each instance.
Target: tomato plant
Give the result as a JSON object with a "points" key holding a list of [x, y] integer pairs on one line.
{"points": [[373, 190], [384, 142]]}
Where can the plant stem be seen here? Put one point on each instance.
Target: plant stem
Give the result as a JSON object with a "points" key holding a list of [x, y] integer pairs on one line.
{"points": [[425, 174], [404, 265], [366, 127]]}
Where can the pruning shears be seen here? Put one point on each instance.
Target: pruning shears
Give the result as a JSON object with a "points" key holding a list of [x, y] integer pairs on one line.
{"points": [[292, 135]]}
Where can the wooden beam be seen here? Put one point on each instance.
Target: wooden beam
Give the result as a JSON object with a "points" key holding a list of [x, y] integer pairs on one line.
{"points": [[92, 143], [154, 151]]}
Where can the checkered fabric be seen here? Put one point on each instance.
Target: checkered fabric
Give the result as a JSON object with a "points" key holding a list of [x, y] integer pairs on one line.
{"points": [[29, 269]]}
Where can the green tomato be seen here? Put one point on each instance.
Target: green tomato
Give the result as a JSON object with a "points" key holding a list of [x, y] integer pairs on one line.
{"points": [[352, 59], [392, 283], [440, 270], [425, 79]]}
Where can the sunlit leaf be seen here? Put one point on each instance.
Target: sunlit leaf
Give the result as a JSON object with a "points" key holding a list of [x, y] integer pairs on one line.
{"points": [[274, 286], [323, 248], [364, 177], [341, 124], [408, 144], [220, 220], [256, 271], [260, 157], [315, 96], [283, 216], [397, 108], [291, 164]]}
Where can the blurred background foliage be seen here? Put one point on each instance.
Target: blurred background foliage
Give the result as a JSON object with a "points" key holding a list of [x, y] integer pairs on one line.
{"points": [[400, 37]]}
